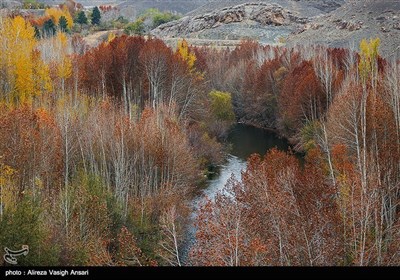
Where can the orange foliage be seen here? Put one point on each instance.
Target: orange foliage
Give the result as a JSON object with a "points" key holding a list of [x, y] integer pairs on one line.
{"points": [[30, 143], [301, 99], [278, 215]]}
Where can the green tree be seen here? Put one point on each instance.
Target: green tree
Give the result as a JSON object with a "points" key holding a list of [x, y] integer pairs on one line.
{"points": [[63, 24], [81, 18], [24, 226], [136, 27], [37, 32], [161, 18], [96, 16], [49, 28], [221, 106], [93, 217]]}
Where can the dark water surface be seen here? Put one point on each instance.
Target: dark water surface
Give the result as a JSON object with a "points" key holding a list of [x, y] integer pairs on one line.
{"points": [[246, 140]]}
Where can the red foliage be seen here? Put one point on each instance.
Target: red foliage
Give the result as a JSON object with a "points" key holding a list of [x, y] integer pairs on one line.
{"points": [[301, 98], [278, 215], [105, 8], [246, 51], [30, 143]]}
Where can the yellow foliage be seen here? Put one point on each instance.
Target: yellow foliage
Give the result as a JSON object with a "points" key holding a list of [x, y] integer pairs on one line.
{"points": [[368, 56], [68, 17], [41, 72], [63, 40], [111, 36], [7, 191], [64, 64], [186, 54], [56, 13], [6, 172], [27, 75], [64, 69], [16, 49]]}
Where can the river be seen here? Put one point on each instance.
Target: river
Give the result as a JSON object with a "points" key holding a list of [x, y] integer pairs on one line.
{"points": [[244, 141]]}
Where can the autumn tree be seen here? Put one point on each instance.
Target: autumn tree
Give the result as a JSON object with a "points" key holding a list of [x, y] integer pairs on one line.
{"points": [[8, 192], [221, 238], [128, 251], [172, 231], [156, 60], [18, 38], [301, 98], [293, 222], [184, 52], [56, 14], [362, 161], [33, 154], [85, 221]]}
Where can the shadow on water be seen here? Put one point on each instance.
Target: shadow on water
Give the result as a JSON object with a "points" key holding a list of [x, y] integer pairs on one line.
{"points": [[243, 140], [246, 140]]}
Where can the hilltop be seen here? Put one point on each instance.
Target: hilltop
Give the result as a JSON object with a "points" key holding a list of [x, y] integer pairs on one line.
{"points": [[332, 23], [266, 21], [335, 23], [353, 21]]}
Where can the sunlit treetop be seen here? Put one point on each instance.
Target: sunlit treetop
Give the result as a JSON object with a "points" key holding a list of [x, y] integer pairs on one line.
{"points": [[368, 55], [184, 52]]}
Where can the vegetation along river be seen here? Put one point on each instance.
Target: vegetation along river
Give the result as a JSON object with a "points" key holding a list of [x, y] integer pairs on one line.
{"points": [[244, 141]]}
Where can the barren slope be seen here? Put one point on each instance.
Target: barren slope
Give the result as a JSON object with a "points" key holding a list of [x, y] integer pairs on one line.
{"points": [[266, 20], [354, 21]]}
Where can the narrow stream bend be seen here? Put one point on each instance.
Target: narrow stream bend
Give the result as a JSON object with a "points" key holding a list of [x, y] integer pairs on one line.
{"points": [[245, 140]]}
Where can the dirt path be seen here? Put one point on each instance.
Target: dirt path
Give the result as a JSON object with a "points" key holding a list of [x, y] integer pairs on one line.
{"points": [[99, 36]]}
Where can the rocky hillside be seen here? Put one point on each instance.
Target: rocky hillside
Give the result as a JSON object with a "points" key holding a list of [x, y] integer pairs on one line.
{"points": [[303, 7], [334, 23], [10, 4], [259, 21], [266, 21], [352, 22], [176, 6]]}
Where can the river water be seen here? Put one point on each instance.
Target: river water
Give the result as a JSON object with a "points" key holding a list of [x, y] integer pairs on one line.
{"points": [[244, 141]]}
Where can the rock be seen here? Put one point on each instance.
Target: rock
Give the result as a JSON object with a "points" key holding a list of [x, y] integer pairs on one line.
{"points": [[264, 14], [342, 25], [10, 4], [351, 26], [312, 26]]}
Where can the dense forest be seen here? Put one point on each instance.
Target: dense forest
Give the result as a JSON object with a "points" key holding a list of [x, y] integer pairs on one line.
{"points": [[102, 150]]}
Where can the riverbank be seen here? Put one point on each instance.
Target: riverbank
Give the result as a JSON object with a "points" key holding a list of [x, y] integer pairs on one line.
{"points": [[243, 140]]}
